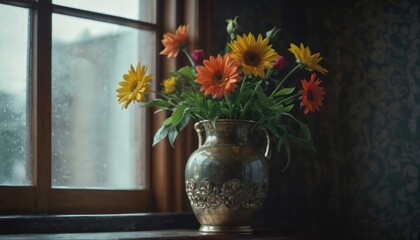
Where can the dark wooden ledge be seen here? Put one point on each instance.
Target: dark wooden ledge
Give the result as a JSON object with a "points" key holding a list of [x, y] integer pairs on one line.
{"points": [[159, 234], [25, 224], [121, 226]]}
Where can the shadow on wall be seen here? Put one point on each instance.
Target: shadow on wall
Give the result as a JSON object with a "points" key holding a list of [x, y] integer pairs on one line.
{"points": [[363, 182]]}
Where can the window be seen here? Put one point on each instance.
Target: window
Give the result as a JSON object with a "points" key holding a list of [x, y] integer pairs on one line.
{"points": [[15, 163], [94, 143], [65, 144]]}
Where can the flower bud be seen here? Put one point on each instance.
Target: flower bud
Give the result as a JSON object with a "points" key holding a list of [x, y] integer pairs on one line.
{"points": [[232, 25], [169, 85], [280, 63], [198, 56], [272, 33]]}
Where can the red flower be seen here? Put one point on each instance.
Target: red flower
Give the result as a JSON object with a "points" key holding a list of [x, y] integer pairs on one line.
{"points": [[198, 56], [312, 94], [280, 63]]}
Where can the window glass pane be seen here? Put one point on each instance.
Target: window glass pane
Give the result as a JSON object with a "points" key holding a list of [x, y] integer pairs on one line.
{"points": [[143, 10], [15, 166], [96, 144]]}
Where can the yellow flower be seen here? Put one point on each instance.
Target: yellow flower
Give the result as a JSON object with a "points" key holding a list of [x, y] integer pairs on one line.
{"points": [[135, 86], [169, 85], [303, 55], [254, 56]]}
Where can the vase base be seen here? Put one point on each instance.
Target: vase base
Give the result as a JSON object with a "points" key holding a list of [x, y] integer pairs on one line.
{"points": [[222, 229]]}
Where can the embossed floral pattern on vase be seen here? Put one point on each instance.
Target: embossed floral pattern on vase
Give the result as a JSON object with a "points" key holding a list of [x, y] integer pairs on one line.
{"points": [[232, 194]]}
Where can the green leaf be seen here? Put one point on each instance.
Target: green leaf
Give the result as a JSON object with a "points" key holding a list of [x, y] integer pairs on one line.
{"points": [[303, 143], [184, 122], [263, 99], [212, 111], [168, 122], [172, 134], [288, 108], [283, 108], [225, 112], [187, 95], [160, 134], [178, 115], [292, 117], [159, 110], [284, 91], [157, 102], [247, 92], [187, 72], [213, 122], [306, 131]]}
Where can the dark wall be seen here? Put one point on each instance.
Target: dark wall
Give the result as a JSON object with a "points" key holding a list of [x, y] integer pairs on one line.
{"points": [[363, 182]]}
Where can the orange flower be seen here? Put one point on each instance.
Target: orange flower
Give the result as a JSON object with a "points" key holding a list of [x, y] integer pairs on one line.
{"points": [[173, 42], [312, 94], [218, 76]]}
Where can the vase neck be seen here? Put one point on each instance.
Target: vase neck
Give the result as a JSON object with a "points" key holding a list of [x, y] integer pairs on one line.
{"points": [[227, 132]]}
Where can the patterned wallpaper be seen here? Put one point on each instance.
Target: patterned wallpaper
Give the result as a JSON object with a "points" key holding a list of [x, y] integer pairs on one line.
{"points": [[363, 182], [378, 65]]}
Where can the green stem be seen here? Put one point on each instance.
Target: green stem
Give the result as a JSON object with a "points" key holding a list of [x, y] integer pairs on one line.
{"points": [[284, 79], [287, 99], [188, 55], [249, 100], [160, 94], [229, 105], [242, 85], [185, 51], [168, 99], [269, 73]]}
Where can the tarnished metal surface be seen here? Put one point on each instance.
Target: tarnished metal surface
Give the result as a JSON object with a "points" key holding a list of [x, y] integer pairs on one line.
{"points": [[227, 176]]}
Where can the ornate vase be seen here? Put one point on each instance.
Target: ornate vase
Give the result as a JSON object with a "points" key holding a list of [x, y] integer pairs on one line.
{"points": [[227, 176]]}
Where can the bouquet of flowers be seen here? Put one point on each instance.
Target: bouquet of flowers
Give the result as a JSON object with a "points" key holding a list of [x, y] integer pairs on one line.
{"points": [[247, 81]]}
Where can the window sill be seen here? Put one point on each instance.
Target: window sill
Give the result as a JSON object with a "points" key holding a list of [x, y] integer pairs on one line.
{"points": [[120, 226], [93, 223], [159, 234]]}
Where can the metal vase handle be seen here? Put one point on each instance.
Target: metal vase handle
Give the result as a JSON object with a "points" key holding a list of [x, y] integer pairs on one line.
{"points": [[267, 153], [200, 133]]}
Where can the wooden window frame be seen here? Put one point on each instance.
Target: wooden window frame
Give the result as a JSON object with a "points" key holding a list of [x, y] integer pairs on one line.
{"points": [[166, 191]]}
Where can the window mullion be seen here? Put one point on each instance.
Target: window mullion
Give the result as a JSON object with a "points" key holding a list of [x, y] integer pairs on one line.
{"points": [[42, 102], [74, 12], [20, 3]]}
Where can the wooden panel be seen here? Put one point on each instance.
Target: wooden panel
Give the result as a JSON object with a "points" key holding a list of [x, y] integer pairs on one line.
{"points": [[17, 200], [160, 161], [160, 170], [98, 201]]}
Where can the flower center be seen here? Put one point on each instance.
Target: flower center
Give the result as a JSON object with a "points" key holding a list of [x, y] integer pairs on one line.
{"points": [[219, 77], [309, 96], [133, 86], [252, 59]]}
